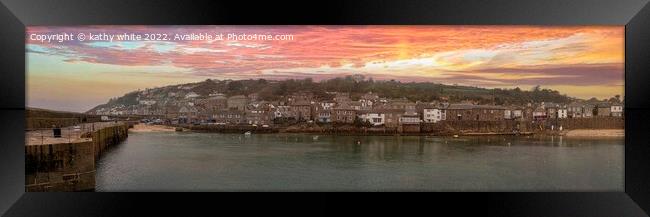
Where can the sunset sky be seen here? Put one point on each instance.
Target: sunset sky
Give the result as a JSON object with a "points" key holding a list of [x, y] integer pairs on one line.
{"points": [[580, 61]]}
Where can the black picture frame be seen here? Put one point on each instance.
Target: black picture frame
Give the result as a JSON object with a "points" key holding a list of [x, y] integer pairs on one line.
{"points": [[634, 14]]}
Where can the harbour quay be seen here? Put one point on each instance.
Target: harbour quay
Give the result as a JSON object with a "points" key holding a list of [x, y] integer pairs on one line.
{"points": [[64, 159]]}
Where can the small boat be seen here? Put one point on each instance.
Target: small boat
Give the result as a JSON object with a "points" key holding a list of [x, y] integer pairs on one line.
{"points": [[315, 138], [247, 133], [456, 136]]}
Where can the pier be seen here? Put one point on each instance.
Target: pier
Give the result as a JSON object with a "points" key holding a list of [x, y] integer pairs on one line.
{"points": [[66, 161]]}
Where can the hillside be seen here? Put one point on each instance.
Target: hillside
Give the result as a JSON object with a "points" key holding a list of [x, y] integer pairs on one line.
{"points": [[357, 85]]}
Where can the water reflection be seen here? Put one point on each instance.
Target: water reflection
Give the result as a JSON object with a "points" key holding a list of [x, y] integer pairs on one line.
{"points": [[201, 161]]}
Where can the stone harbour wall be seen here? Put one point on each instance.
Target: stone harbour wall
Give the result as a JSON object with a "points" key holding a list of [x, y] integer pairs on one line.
{"points": [[60, 167], [69, 166]]}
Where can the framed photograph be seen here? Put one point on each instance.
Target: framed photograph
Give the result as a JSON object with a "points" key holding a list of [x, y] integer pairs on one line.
{"points": [[513, 108]]}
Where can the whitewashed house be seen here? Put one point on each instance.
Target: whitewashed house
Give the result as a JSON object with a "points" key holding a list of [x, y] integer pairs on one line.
{"points": [[191, 95], [432, 115], [147, 102], [282, 111], [517, 114], [375, 118], [365, 104], [327, 105], [562, 113], [507, 114], [617, 110], [409, 119]]}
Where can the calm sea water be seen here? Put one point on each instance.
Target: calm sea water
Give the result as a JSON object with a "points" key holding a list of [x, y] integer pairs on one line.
{"points": [[185, 161]]}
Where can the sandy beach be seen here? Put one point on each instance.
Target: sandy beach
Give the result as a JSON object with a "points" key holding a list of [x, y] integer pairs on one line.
{"points": [[596, 133], [151, 128]]}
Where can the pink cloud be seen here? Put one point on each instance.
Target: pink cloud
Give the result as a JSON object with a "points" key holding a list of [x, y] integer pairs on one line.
{"points": [[313, 46]]}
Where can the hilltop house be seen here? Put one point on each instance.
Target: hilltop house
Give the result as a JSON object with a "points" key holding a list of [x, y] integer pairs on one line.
{"points": [[191, 95], [147, 102], [217, 94]]}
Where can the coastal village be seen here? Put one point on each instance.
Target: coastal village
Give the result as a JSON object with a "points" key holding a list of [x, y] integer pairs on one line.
{"points": [[62, 148], [181, 106]]}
